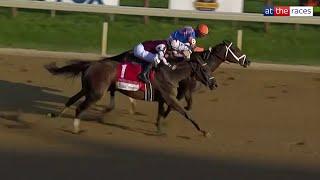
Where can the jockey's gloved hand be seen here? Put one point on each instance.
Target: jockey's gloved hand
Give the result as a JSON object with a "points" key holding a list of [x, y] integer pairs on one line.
{"points": [[173, 67], [161, 55], [156, 60], [187, 54]]}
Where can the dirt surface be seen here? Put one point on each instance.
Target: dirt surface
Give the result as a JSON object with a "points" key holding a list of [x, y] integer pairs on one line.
{"points": [[265, 125]]}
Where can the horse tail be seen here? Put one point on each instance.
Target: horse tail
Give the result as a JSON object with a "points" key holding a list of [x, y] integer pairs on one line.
{"points": [[72, 70]]}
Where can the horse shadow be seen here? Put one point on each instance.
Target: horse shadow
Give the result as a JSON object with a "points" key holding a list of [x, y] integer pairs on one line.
{"points": [[18, 98], [27, 98]]}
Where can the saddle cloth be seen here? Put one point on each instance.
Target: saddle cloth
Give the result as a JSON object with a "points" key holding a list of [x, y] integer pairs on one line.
{"points": [[127, 79]]}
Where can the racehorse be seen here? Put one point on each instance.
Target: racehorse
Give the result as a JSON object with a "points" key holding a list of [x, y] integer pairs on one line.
{"points": [[99, 76], [215, 56], [222, 52]]}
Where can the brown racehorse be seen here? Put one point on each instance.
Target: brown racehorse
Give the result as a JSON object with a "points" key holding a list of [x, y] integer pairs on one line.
{"points": [[215, 56], [99, 76]]}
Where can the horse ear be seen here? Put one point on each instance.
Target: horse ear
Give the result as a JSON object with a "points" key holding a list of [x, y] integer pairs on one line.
{"points": [[226, 42]]}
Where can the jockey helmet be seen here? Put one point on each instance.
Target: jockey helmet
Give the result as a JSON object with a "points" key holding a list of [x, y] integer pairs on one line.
{"points": [[202, 30]]}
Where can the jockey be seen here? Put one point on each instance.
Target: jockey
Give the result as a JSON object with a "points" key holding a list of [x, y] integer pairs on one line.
{"points": [[185, 39], [152, 52]]}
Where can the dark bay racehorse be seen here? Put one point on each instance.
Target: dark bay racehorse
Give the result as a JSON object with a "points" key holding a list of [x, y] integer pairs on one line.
{"points": [[214, 57], [222, 52], [99, 76]]}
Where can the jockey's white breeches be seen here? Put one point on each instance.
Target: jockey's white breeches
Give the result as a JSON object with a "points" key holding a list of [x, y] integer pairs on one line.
{"points": [[141, 53]]}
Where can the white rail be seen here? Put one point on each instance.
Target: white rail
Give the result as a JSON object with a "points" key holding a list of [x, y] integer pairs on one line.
{"points": [[251, 17]]}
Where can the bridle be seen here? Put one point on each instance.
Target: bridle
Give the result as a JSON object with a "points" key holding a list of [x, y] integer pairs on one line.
{"points": [[241, 60], [228, 49]]}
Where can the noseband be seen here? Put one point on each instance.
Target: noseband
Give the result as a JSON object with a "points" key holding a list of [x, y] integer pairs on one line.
{"points": [[228, 49]]}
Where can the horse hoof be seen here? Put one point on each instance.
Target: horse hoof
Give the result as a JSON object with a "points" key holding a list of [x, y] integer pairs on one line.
{"points": [[51, 115], [78, 132], [106, 110], [206, 134], [160, 133]]}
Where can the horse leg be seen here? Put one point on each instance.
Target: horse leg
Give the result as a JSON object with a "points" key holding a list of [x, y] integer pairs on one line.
{"points": [[111, 105], [188, 98], [160, 114], [71, 101], [167, 112], [181, 93], [178, 108], [173, 103], [169, 109], [133, 105], [90, 99]]}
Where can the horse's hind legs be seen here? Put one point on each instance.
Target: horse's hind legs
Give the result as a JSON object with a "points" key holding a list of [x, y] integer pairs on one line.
{"points": [[133, 105], [71, 101], [90, 99], [111, 105]]}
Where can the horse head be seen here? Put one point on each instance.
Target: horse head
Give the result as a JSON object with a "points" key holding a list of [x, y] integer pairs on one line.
{"points": [[226, 51]]}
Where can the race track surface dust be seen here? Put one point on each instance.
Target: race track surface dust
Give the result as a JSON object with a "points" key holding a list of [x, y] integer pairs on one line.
{"points": [[264, 125]]}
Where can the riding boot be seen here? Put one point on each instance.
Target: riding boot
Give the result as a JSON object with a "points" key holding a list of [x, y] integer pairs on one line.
{"points": [[143, 76]]}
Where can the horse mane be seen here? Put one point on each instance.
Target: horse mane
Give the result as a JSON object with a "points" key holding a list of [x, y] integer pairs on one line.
{"points": [[118, 58]]}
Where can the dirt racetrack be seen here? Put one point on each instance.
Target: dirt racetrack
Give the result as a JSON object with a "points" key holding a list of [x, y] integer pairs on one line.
{"points": [[265, 125]]}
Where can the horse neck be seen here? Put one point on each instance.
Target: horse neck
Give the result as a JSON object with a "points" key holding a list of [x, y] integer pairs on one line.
{"points": [[216, 64], [216, 60]]}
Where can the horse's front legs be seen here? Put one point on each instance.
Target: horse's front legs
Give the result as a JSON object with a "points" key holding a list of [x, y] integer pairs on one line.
{"points": [[188, 98], [174, 104], [187, 94]]}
